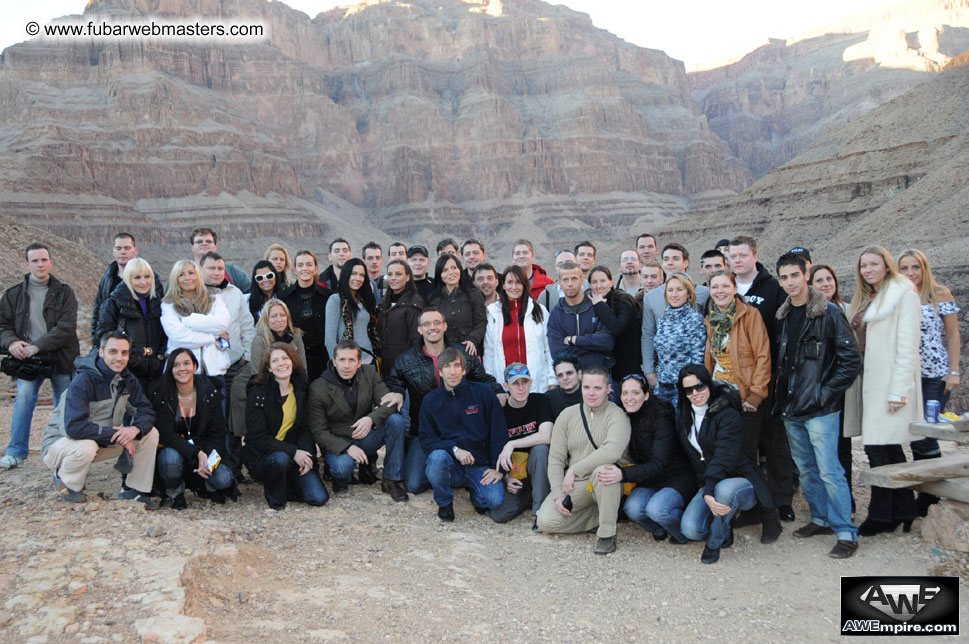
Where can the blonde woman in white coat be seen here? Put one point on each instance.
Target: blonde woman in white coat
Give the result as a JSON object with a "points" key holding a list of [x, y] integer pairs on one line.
{"points": [[885, 314], [195, 319], [516, 332]]}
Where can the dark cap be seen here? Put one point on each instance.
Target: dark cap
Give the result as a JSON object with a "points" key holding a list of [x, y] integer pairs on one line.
{"points": [[802, 251], [722, 242], [516, 371], [417, 250]]}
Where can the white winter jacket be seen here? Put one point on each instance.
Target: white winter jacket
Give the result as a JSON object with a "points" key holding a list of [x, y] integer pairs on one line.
{"points": [[537, 355], [198, 332], [241, 327]]}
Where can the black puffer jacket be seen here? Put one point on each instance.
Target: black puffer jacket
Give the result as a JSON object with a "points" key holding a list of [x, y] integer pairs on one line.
{"points": [[825, 364], [210, 433], [624, 319], [658, 456], [464, 311], [264, 417], [721, 438], [121, 312], [413, 371], [110, 281], [398, 326]]}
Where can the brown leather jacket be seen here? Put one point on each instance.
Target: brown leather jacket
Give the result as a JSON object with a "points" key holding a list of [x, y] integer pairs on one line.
{"points": [[749, 352]]}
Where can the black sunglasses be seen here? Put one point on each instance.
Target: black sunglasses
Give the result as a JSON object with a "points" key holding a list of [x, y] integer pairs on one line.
{"points": [[633, 376], [697, 388]]}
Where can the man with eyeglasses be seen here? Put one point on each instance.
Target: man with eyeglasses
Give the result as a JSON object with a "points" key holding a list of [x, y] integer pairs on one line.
{"points": [[419, 260], [416, 373], [524, 457], [205, 241]]}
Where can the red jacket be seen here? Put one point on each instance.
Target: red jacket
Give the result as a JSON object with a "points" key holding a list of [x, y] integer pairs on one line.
{"points": [[540, 280]]}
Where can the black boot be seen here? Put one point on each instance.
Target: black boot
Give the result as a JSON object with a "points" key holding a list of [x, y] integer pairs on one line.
{"points": [[770, 526]]}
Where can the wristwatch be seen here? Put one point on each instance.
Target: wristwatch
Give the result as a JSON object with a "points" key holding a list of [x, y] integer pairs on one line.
{"points": [[454, 449], [953, 373]]}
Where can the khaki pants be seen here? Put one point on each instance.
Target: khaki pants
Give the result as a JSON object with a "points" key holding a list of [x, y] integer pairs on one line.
{"points": [[71, 459], [598, 508]]}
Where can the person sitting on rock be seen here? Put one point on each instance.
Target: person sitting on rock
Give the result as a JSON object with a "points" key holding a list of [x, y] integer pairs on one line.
{"points": [[585, 439], [87, 425], [462, 431], [350, 425]]}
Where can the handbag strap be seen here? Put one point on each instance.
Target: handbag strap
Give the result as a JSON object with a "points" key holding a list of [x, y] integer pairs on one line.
{"points": [[585, 424]]}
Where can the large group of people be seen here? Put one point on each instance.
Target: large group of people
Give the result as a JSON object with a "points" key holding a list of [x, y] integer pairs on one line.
{"points": [[567, 395]]}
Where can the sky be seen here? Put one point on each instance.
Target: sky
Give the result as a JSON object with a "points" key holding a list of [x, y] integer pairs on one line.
{"points": [[701, 33]]}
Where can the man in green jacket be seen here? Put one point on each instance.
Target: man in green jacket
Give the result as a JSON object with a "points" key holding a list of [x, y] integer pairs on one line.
{"points": [[349, 423]]}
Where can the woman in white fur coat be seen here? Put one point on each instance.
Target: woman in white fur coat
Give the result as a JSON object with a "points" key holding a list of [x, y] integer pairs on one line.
{"points": [[885, 314], [517, 332]]}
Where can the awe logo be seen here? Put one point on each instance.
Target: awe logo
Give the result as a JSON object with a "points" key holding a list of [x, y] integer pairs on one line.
{"points": [[899, 601]]}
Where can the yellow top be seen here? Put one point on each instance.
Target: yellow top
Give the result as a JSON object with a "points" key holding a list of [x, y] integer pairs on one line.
{"points": [[289, 415]]}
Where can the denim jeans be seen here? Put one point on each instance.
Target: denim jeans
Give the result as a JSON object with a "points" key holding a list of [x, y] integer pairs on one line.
{"points": [[656, 509], [923, 448], [282, 481], [534, 488], [444, 473], [887, 504], [669, 393], [171, 468], [23, 410], [699, 523], [814, 446], [389, 433], [415, 466]]}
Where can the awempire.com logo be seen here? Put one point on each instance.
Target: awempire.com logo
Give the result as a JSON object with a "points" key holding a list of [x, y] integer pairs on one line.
{"points": [[899, 605]]}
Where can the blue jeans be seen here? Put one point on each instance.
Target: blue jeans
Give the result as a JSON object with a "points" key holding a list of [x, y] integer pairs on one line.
{"points": [[923, 448], [698, 522], [415, 466], [282, 482], [444, 473], [669, 393], [171, 467], [390, 433], [23, 410], [814, 447], [656, 510]]}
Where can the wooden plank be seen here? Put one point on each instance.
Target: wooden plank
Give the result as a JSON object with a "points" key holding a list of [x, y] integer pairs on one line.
{"points": [[942, 431], [899, 475], [957, 490]]}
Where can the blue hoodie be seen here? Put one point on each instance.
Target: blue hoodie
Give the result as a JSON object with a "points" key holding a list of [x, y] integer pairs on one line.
{"points": [[594, 342], [469, 417]]}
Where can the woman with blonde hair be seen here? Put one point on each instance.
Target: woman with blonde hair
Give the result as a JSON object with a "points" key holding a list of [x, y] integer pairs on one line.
{"points": [[939, 349], [278, 256], [680, 337], [194, 319], [134, 308], [887, 396]]}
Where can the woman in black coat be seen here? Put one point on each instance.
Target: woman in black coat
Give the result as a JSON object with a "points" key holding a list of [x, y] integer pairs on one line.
{"points": [[663, 476], [188, 407], [279, 449], [134, 308], [712, 435], [623, 316], [400, 310], [461, 304]]}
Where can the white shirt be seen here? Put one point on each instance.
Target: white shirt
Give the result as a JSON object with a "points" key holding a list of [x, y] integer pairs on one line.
{"points": [[698, 415]]}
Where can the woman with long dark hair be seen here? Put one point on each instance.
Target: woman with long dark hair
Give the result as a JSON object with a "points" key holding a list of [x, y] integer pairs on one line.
{"points": [[279, 449], [190, 424], [400, 310], [265, 286], [711, 433], [623, 317], [461, 304], [517, 332], [352, 313]]}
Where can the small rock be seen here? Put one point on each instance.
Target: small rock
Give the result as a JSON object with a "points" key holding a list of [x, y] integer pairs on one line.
{"points": [[155, 531]]}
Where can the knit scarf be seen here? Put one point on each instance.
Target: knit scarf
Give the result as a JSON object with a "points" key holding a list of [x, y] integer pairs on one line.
{"points": [[721, 322], [348, 311]]}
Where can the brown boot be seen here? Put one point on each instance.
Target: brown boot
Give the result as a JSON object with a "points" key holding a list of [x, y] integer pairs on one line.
{"points": [[395, 489]]}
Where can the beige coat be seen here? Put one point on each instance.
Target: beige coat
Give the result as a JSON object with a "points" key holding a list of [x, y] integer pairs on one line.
{"points": [[891, 369]]}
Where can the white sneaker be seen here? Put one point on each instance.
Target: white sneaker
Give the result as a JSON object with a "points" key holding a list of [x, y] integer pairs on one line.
{"points": [[10, 461]]}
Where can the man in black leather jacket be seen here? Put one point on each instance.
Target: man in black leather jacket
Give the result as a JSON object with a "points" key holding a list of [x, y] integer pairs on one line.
{"points": [[817, 361], [415, 373]]}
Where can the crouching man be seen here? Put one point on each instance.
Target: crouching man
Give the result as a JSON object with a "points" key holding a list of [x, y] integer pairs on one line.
{"points": [[586, 438], [462, 431], [87, 425]]}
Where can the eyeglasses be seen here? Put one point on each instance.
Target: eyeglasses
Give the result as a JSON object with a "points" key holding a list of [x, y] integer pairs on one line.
{"points": [[265, 276], [695, 389], [434, 323]]}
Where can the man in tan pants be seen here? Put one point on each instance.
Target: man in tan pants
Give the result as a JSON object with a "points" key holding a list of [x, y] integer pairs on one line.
{"points": [[87, 425], [580, 448]]}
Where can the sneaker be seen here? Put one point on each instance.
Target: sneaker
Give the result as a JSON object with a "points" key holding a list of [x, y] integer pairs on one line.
{"points": [[446, 513], [843, 549], [812, 530], [710, 555], [395, 489], [605, 545], [67, 494], [130, 494], [10, 461]]}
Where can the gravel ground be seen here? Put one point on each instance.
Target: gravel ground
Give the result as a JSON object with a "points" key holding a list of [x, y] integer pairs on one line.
{"points": [[363, 568]]}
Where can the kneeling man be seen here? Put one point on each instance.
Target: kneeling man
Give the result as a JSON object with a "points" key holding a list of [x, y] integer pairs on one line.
{"points": [[87, 425], [586, 438], [462, 430]]}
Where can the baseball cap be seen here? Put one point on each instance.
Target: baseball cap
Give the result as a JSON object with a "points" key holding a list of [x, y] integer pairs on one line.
{"points": [[417, 250], [516, 371], [802, 251]]}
